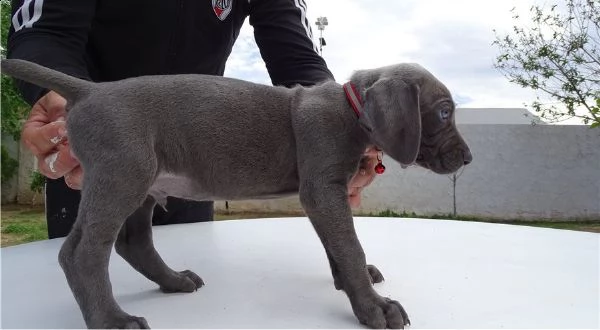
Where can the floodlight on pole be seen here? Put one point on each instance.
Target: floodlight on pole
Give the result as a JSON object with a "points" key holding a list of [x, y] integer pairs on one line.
{"points": [[321, 24]]}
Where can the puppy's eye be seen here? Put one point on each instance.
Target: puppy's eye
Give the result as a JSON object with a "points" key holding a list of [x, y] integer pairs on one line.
{"points": [[445, 114]]}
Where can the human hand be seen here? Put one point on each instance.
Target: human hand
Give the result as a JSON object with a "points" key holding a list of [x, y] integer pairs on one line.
{"points": [[363, 177], [45, 135]]}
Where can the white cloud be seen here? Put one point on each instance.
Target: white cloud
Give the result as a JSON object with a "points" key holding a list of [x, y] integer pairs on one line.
{"points": [[453, 39], [245, 61]]}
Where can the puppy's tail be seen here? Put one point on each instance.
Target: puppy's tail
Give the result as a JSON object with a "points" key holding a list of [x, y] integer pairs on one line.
{"points": [[67, 86]]}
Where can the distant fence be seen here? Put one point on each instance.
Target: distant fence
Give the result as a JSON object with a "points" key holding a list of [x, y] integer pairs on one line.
{"points": [[518, 172]]}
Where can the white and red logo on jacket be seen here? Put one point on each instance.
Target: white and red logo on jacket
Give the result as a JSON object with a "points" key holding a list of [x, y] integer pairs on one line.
{"points": [[222, 8]]}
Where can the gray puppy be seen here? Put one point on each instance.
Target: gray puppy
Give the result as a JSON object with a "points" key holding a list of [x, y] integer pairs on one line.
{"points": [[205, 137]]}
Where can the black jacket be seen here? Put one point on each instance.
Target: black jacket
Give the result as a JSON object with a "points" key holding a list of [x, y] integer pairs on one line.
{"points": [[104, 40]]}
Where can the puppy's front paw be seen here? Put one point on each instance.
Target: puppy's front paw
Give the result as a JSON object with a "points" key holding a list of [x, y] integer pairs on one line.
{"points": [[123, 321], [185, 281], [375, 274], [379, 313]]}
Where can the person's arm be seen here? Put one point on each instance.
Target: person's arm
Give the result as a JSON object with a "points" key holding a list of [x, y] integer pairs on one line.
{"points": [[52, 33], [282, 33]]}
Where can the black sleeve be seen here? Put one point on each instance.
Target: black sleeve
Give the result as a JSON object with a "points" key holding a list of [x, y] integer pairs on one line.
{"points": [[52, 33], [283, 35]]}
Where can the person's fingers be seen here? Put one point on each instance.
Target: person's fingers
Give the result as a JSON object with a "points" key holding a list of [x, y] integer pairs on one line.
{"points": [[41, 140], [365, 174], [372, 152], [369, 159], [363, 177], [74, 178], [45, 126], [58, 163], [53, 104], [47, 109], [363, 181], [354, 199]]}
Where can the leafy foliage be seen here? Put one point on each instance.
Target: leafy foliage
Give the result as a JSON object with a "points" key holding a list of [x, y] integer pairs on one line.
{"points": [[38, 182], [559, 55], [9, 165], [14, 108]]}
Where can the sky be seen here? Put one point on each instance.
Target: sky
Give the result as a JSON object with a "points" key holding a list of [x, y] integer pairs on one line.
{"points": [[452, 39]]}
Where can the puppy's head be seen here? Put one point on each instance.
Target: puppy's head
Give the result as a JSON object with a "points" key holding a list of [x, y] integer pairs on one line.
{"points": [[410, 115]]}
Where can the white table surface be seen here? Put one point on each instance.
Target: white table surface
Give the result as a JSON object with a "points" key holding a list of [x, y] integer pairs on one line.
{"points": [[273, 273]]}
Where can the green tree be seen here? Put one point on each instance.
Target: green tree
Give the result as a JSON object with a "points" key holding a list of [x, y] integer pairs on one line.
{"points": [[559, 55], [14, 109]]}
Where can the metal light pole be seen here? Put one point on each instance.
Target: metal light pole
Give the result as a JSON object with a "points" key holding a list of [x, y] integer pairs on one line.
{"points": [[321, 24]]}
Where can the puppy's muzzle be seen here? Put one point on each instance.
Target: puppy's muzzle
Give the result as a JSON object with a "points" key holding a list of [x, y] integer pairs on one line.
{"points": [[447, 158]]}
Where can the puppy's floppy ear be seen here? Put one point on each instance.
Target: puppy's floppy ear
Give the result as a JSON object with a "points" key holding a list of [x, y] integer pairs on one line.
{"points": [[392, 114]]}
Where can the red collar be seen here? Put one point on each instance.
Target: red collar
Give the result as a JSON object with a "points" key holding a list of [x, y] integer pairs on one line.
{"points": [[356, 102], [354, 98]]}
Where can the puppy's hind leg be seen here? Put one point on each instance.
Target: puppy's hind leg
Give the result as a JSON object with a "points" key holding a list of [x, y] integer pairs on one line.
{"points": [[135, 245], [106, 201]]}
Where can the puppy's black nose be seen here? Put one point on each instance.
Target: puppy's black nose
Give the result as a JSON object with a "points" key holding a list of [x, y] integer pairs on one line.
{"points": [[467, 157]]}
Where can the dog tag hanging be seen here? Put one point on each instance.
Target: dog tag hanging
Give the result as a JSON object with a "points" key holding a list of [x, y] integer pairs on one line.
{"points": [[379, 168]]}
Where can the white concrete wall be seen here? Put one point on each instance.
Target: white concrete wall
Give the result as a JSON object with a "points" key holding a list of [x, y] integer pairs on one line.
{"points": [[532, 172], [518, 172]]}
